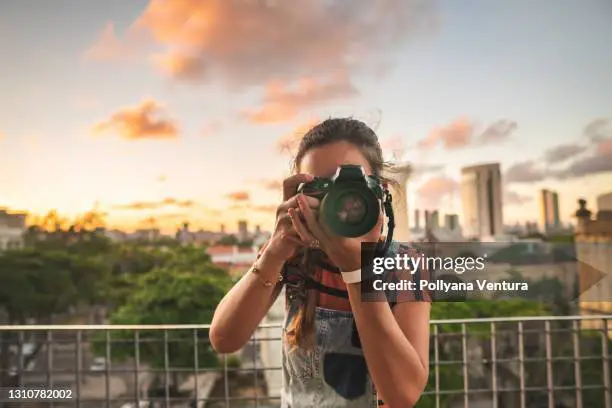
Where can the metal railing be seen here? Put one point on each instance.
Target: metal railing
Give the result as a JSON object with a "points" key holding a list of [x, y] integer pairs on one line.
{"points": [[521, 362]]}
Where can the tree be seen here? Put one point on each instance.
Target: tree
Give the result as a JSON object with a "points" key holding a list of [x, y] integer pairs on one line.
{"points": [[185, 290], [35, 284], [127, 263], [228, 240]]}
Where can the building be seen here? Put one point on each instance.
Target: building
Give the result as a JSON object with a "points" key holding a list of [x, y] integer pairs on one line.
{"points": [[549, 207], [434, 219], [236, 259], [12, 229], [243, 231], [417, 220], [451, 221], [481, 196], [593, 240], [604, 202]]}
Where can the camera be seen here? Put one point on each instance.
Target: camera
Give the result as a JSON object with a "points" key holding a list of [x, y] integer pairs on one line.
{"points": [[350, 200]]}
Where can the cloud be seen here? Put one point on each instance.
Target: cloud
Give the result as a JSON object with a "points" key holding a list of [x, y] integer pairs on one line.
{"points": [[525, 172], [497, 132], [265, 208], [604, 148], [435, 189], [395, 146], [564, 152], [253, 42], [290, 142], [600, 161], [514, 198], [284, 102], [422, 169], [155, 205], [212, 128], [598, 129], [271, 184], [109, 47], [145, 121], [464, 132], [239, 196]]}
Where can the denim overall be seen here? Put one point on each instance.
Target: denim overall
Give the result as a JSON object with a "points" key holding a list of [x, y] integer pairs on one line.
{"points": [[334, 372]]}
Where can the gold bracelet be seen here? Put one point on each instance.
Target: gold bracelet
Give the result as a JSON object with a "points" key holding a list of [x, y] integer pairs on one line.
{"points": [[255, 270]]}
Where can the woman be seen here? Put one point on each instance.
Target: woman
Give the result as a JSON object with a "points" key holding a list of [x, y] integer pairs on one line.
{"points": [[337, 351]]}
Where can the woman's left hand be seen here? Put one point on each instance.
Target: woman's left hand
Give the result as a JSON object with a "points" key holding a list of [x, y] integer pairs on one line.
{"points": [[344, 252]]}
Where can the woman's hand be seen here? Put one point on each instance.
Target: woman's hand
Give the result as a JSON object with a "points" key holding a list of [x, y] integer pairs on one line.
{"points": [[285, 240], [345, 253]]}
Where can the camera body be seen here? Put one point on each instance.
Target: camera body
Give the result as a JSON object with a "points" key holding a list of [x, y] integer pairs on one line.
{"points": [[350, 200]]}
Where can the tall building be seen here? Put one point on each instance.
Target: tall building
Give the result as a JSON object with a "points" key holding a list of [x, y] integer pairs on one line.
{"points": [[243, 230], [481, 196], [417, 220], [549, 205]]}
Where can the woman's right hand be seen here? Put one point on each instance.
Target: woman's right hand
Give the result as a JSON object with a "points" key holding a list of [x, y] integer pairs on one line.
{"points": [[285, 241]]}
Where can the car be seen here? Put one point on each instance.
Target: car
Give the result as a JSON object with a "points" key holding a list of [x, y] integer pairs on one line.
{"points": [[98, 364]]}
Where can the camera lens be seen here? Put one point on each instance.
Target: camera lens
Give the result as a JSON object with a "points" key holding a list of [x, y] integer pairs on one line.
{"points": [[351, 208]]}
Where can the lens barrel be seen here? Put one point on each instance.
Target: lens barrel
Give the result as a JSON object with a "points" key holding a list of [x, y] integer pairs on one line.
{"points": [[350, 209]]}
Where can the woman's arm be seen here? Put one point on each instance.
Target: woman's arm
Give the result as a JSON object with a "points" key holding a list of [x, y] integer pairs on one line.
{"points": [[245, 305], [395, 345], [243, 308]]}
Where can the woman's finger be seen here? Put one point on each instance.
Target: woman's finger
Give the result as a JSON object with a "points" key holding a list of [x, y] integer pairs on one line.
{"points": [[293, 203], [299, 226], [294, 239], [291, 184], [310, 218]]}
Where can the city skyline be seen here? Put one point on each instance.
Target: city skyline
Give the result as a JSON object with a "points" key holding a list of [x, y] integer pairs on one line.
{"points": [[108, 112]]}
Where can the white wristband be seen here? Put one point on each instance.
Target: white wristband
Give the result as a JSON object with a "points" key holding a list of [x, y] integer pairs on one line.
{"points": [[352, 277]]}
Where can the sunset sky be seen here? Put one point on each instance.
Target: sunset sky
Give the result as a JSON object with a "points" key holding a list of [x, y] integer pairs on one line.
{"points": [[177, 109]]}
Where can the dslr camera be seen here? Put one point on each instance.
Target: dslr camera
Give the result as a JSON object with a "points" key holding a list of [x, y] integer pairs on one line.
{"points": [[350, 201]]}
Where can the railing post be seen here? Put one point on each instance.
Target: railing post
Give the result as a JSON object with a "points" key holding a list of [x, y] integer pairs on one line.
{"points": [[166, 368], [107, 367], [549, 366], [437, 363], [137, 367], [466, 386], [605, 340], [79, 366], [521, 361], [577, 368], [196, 365], [226, 382], [494, 395]]}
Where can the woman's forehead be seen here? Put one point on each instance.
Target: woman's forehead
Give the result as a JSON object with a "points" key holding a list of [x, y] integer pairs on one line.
{"points": [[324, 161]]}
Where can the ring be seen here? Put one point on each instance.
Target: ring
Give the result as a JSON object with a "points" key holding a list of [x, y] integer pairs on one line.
{"points": [[315, 243]]}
